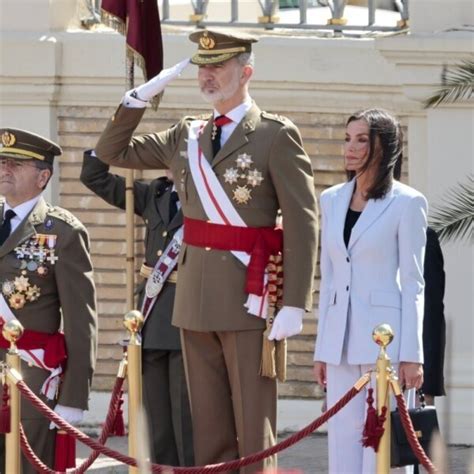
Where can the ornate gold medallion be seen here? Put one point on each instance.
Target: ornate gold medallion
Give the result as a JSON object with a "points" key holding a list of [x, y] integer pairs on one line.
{"points": [[8, 139], [207, 41], [17, 300], [242, 194]]}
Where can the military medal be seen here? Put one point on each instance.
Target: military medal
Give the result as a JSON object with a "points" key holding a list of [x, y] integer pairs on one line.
{"points": [[17, 301], [42, 270], [254, 178], [19, 291], [231, 175], [244, 161], [241, 194]]}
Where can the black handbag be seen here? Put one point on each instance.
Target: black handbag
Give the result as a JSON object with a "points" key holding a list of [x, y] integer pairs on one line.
{"points": [[425, 423]]}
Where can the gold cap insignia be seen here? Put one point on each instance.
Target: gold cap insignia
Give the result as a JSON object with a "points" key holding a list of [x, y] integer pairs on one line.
{"points": [[207, 41], [8, 139]]}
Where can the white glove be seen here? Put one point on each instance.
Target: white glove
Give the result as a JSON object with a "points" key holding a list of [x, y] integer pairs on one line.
{"points": [[288, 322], [72, 415], [139, 96]]}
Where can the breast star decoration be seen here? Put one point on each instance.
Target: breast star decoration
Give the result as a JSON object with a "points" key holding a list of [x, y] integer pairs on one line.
{"points": [[243, 176], [19, 291]]}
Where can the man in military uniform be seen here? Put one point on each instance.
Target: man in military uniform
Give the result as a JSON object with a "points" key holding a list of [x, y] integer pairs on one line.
{"points": [[164, 385], [47, 285], [234, 171]]}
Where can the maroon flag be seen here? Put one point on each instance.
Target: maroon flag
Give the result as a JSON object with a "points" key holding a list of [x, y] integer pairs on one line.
{"points": [[139, 21]]}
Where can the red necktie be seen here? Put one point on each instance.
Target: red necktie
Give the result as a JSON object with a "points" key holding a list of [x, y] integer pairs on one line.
{"points": [[219, 122]]}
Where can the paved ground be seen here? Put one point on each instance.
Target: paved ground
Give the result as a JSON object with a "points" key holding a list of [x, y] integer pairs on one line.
{"points": [[307, 457]]}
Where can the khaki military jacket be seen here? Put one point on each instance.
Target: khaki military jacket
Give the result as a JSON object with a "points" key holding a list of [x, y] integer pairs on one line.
{"points": [[152, 204], [65, 295], [210, 293]]}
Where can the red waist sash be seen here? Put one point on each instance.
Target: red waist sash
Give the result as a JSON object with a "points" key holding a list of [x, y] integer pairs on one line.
{"points": [[259, 242], [54, 345]]}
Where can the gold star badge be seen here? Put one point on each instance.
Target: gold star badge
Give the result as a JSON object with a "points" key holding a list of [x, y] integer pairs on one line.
{"points": [[33, 293], [242, 194], [21, 284]]}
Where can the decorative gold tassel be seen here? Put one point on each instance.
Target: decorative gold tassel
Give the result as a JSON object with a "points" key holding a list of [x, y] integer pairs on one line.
{"points": [[281, 346], [274, 352], [280, 353], [267, 365]]}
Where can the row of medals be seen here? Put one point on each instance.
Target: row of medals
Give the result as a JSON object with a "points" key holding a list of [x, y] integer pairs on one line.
{"points": [[31, 256]]}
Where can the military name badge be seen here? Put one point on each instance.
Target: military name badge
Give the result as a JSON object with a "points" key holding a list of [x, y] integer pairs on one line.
{"points": [[244, 178]]}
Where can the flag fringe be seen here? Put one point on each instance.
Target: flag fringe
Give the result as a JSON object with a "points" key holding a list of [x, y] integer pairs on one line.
{"points": [[113, 21]]}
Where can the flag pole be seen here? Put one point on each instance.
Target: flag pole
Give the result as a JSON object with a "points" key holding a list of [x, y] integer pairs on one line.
{"points": [[130, 206]]}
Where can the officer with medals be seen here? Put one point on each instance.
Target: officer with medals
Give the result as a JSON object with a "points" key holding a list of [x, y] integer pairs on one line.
{"points": [[164, 385], [46, 283], [235, 169]]}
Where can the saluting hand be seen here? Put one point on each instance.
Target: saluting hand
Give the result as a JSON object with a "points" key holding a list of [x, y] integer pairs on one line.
{"points": [[157, 84]]}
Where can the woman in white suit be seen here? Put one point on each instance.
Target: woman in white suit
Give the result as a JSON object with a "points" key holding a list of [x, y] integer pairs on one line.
{"points": [[372, 249]]}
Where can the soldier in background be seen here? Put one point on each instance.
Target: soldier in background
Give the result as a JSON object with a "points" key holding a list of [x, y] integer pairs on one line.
{"points": [[164, 385], [46, 283]]}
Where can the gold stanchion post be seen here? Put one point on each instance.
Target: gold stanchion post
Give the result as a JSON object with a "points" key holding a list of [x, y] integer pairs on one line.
{"points": [[133, 321], [12, 331], [383, 336]]}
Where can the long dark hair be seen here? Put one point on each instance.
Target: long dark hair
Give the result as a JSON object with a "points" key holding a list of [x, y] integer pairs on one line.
{"points": [[389, 153]]}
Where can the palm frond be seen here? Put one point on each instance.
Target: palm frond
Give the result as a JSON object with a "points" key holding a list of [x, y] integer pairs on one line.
{"points": [[454, 219], [457, 84]]}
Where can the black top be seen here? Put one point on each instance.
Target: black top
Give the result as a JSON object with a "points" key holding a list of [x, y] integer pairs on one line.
{"points": [[351, 219]]}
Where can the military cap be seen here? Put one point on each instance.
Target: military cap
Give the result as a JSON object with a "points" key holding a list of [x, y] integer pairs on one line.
{"points": [[216, 46], [23, 145]]}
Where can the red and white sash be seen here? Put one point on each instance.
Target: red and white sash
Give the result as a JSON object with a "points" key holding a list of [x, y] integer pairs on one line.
{"points": [[218, 207], [161, 271], [34, 356]]}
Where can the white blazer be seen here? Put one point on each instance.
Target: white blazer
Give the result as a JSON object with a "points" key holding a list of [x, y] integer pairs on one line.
{"points": [[377, 279]]}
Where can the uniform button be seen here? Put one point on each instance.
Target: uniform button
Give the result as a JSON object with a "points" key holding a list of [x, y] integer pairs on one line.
{"points": [[164, 234], [347, 259], [112, 118], [146, 221], [208, 249], [183, 171], [347, 288], [159, 253]]}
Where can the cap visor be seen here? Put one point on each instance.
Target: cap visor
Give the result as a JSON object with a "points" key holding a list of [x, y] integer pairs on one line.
{"points": [[200, 60]]}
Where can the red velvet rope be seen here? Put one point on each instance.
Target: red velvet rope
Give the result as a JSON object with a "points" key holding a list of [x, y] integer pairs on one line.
{"points": [[108, 424], [211, 468], [411, 435]]}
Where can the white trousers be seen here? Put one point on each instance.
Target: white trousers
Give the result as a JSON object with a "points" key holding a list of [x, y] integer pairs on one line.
{"points": [[346, 453]]}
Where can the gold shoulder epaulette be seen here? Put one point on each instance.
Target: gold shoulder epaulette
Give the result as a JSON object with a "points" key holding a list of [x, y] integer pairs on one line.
{"points": [[190, 118], [65, 216], [275, 117]]}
